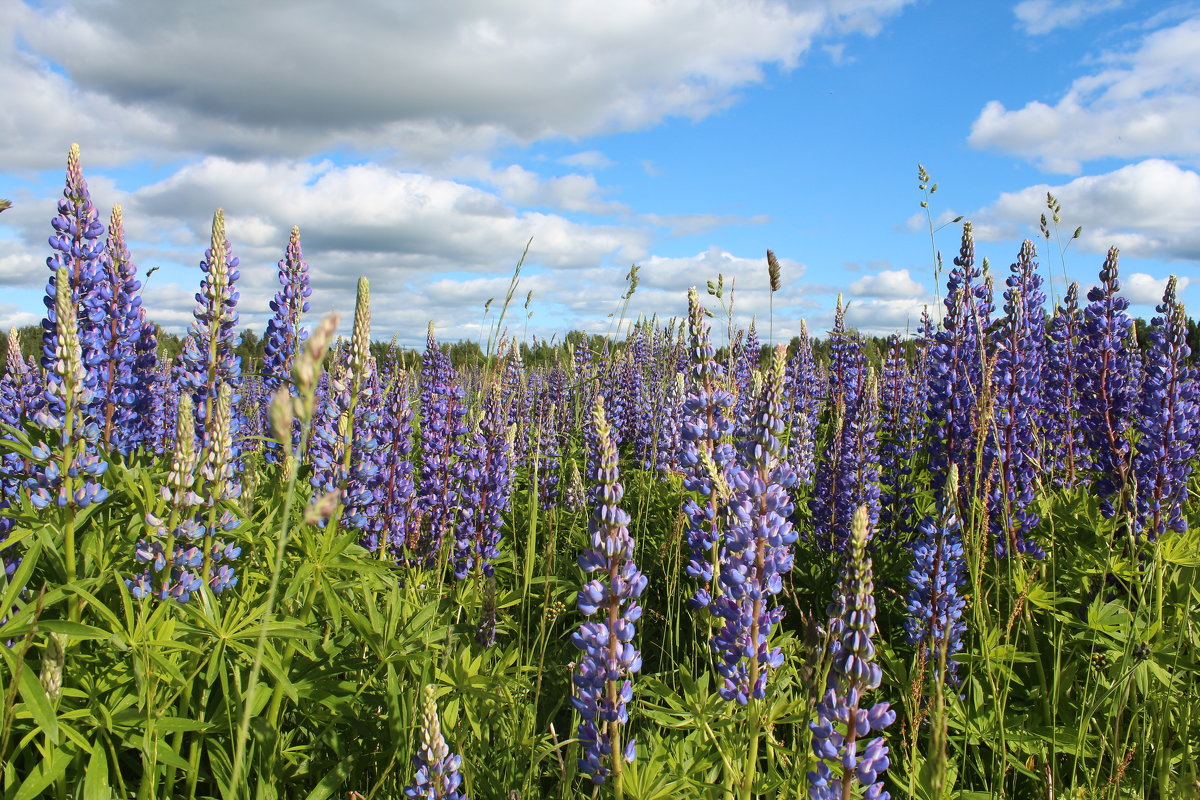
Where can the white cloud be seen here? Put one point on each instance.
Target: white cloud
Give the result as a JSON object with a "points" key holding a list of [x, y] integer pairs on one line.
{"points": [[1142, 103], [428, 80], [889, 284], [880, 317], [13, 317], [1148, 210], [588, 159], [1144, 289], [566, 193], [1037, 17]]}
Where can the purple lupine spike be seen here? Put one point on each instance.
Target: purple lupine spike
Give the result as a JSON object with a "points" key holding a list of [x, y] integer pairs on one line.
{"points": [[518, 403], [804, 389], [1010, 451], [935, 606], [389, 531], [955, 363], [603, 678], [484, 493], [68, 473], [78, 245], [549, 452], [438, 776], [897, 438], [842, 718], [1107, 396], [1066, 454], [1166, 423], [219, 484], [706, 420], [284, 335], [125, 375], [848, 473], [208, 358], [175, 527], [757, 548], [443, 428], [330, 427], [12, 466]]}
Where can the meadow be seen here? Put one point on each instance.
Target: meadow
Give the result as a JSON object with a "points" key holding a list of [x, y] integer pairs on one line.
{"points": [[668, 562]]}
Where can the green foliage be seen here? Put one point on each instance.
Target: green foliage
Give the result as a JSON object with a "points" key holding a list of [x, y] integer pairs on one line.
{"points": [[1080, 672]]}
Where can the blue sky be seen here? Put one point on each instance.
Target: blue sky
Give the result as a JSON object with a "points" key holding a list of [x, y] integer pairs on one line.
{"points": [[422, 144]]}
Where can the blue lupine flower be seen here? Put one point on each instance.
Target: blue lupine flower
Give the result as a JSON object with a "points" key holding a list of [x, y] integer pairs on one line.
{"points": [[935, 606], [955, 367], [126, 365], [1107, 394], [1010, 454], [757, 550], [438, 776], [706, 420], [602, 680], [208, 359], [284, 335], [842, 718], [443, 428], [1166, 423], [1066, 454]]}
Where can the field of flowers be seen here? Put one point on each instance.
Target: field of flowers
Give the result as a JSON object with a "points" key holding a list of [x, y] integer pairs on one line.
{"points": [[673, 563]]}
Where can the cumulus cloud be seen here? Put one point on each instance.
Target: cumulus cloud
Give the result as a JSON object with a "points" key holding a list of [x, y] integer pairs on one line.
{"points": [[888, 285], [14, 317], [1140, 103], [879, 317], [405, 231], [566, 193], [425, 80], [1144, 289], [1037, 17], [1148, 210]]}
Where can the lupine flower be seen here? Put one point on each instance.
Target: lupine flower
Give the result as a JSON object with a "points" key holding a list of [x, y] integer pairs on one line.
{"points": [[848, 474], [1107, 396], [549, 452], [208, 359], [12, 466], [438, 776], [1166, 423], [1066, 455], [219, 485], [602, 680], [746, 352], [67, 474], [897, 438], [518, 403], [284, 334], [706, 420], [1010, 452], [443, 427], [955, 364], [78, 247], [804, 390], [757, 550], [175, 527], [485, 486], [935, 607], [842, 718], [389, 530]]}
